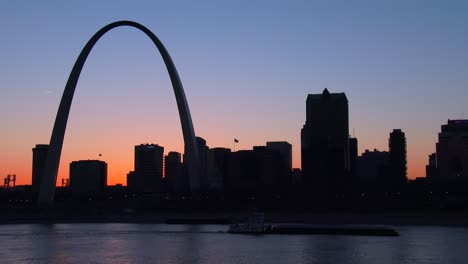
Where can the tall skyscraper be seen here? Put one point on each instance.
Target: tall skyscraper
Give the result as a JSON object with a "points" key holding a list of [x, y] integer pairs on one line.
{"points": [[147, 176], [397, 158], [39, 159], [88, 176], [325, 142], [452, 151]]}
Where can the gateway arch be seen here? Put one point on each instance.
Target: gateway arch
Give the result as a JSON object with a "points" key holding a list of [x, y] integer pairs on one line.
{"points": [[49, 177]]}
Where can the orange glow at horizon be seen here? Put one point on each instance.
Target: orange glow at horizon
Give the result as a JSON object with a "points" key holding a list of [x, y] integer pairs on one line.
{"points": [[116, 128], [120, 163]]}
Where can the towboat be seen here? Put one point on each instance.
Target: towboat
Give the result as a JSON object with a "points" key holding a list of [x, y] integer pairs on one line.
{"points": [[254, 225]]}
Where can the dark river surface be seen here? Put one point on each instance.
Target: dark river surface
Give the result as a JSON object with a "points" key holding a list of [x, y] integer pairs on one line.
{"points": [[161, 243]]}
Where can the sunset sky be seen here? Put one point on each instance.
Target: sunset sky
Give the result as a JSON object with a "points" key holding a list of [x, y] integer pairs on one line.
{"points": [[246, 67]]}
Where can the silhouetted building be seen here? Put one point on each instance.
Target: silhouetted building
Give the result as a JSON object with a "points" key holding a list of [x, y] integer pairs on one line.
{"points": [[285, 150], [38, 164], [371, 169], [325, 142], [255, 171], [88, 176], [296, 176], [273, 170], [147, 176], [418, 186], [203, 155], [431, 168], [217, 166], [353, 157], [452, 151], [173, 172], [241, 175], [397, 159], [183, 185]]}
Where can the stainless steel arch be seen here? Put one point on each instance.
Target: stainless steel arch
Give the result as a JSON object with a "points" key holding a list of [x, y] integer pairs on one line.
{"points": [[47, 188]]}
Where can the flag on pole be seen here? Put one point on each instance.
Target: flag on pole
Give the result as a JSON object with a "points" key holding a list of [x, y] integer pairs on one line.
{"points": [[236, 141]]}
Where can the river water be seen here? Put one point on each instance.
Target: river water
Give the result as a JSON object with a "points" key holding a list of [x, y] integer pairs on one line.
{"points": [[160, 243]]}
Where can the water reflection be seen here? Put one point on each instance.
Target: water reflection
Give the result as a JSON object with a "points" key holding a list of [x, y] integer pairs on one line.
{"points": [[148, 243]]}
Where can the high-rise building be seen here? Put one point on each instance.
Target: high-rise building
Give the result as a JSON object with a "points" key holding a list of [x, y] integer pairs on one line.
{"points": [[325, 142], [38, 164], [147, 176], [452, 151], [397, 159], [173, 172], [88, 176]]}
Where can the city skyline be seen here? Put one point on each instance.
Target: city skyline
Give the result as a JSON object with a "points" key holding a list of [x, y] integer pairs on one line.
{"points": [[238, 99]]}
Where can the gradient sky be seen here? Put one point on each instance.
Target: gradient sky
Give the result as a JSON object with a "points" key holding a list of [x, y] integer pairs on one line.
{"points": [[246, 67]]}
